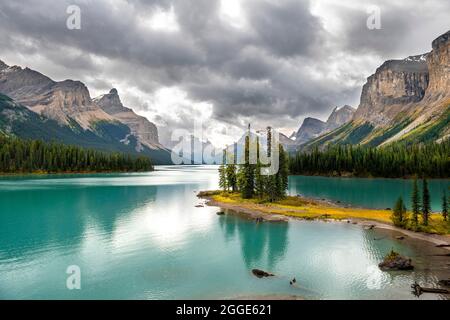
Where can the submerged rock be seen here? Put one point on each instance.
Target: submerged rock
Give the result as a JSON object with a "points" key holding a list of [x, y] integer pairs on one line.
{"points": [[261, 273], [220, 213], [394, 261]]}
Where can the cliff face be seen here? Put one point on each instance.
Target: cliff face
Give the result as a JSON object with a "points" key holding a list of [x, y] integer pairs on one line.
{"points": [[406, 100], [439, 68], [144, 130], [395, 84], [61, 101]]}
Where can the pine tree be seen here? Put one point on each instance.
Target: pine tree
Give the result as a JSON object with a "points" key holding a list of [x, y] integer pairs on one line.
{"points": [[444, 206], [415, 200], [231, 177], [398, 216], [259, 177], [223, 177], [247, 172], [426, 206]]}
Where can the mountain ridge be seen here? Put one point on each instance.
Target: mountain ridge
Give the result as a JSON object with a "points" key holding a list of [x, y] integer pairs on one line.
{"points": [[404, 100]]}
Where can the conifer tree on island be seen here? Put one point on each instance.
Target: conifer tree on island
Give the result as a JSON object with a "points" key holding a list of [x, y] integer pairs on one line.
{"points": [[415, 200], [444, 206], [426, 206]]}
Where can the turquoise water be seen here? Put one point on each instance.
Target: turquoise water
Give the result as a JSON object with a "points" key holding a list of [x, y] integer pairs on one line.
{"points": [[140, 236], [366, 193]]}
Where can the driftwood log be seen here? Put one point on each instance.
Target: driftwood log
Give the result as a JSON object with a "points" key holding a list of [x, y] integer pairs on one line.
{"points": [[418, 290]]}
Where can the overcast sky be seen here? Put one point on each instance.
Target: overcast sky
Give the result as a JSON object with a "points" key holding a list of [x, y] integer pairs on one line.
{"points": [[230, 62]]}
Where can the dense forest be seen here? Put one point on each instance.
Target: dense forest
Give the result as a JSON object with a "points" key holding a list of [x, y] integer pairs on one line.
{"points": [[393, 161], [29, 156]]}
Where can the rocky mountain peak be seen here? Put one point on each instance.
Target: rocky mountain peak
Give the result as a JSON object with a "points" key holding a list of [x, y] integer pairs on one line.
{"points": [[310, 129], [3, 65], [339, 117], [440, 41], [110, 102], [144, 130], [439, 68]]}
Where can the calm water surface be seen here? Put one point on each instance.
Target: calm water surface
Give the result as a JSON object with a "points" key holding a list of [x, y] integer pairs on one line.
{"points": [[140, 236]]}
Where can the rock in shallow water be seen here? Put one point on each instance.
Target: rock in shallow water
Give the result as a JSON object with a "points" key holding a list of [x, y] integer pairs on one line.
{"points": [[394, 261], [261, 273]]}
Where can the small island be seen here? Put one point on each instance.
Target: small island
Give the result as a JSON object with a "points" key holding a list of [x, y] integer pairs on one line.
{"points": [[245, 190]]}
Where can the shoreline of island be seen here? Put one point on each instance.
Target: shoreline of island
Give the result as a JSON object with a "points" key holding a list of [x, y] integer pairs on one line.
{"points": [[308, 209]]}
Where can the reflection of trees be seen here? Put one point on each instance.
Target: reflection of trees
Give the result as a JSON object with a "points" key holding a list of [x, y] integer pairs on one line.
{"points": [[257, 238], [277, 243], [36, 218]]}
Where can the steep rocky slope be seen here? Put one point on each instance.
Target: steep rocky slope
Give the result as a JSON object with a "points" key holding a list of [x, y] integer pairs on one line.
{"points": [[63, 102], [69, 105], [145, 131], [405, 100]]}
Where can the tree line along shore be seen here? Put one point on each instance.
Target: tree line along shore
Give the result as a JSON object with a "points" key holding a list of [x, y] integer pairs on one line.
{"points": [[19, 156]]}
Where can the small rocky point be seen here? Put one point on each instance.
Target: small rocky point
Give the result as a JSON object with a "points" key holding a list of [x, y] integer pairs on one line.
{"points": [[394, 261]]}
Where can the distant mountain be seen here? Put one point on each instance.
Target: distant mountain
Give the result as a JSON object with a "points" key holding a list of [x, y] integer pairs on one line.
{"points": [[339, 117], [68, 105], [312, 128], [404, 100]]}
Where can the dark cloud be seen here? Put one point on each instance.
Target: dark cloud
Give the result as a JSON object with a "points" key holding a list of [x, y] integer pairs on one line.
{"points": [[286, 61]]}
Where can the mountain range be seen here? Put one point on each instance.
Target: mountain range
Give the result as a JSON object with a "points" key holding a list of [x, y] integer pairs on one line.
{"points": [[404, 100], [34, 106]]}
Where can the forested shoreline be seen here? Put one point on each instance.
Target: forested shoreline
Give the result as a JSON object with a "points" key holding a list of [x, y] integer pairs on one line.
{"points": [[18, 156], [393, 161]]}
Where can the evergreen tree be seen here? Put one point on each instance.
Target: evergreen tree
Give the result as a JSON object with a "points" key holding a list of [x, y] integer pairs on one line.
{"points": [[444, 206], [259, 177], [399, 217], [246, 178], [415, 201], [426, 206], [223, 177], [231, 177]]}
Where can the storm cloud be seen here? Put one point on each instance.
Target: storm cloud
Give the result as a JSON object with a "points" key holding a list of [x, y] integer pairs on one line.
{"points": [[267, 62]]}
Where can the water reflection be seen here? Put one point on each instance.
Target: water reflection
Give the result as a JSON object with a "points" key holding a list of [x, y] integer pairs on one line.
{"points": [[262, 244], [60, 216]]}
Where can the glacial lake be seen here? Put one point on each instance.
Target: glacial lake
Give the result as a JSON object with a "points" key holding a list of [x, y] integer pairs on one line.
{"points": [[141, 236]]}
